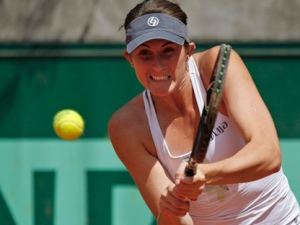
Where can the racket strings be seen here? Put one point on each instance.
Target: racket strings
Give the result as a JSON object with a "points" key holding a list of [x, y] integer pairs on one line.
{"points": [[223, 66], [216, 85]]}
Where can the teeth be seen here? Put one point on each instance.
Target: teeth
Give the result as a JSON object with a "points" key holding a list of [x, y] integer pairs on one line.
{"points": [[158, 78]]}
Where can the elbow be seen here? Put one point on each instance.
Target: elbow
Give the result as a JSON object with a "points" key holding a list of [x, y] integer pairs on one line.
{"points": [[276, 160], [275, 167]]}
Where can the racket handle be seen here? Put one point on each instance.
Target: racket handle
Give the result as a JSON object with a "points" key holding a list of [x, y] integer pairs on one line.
{"points": [[191, 168]]}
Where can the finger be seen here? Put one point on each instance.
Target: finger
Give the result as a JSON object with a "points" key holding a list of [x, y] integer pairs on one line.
{"points": [[179, 175], [171, 212], [178, 204], [190, 187], [171, 205], [199, 178], [170, 196], [189, 191], [188, 180]]}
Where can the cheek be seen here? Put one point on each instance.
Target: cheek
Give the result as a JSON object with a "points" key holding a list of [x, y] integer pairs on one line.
{"points": [[181, 66], [140, 66], [140, 70], [141, 74]]}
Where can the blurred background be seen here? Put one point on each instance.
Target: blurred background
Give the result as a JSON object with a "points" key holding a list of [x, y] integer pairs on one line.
{"points": [[67, 54]]}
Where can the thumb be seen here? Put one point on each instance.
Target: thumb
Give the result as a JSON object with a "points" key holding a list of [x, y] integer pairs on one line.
{"points": [[179, 175]]}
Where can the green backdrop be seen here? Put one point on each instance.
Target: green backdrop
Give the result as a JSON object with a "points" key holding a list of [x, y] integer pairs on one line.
{"points": [[39, 80]]}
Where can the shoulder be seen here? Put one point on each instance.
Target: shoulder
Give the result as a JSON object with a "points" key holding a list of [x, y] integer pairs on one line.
{"points": [[127, 116], [206, 57], [206, 61], [128, 128]]}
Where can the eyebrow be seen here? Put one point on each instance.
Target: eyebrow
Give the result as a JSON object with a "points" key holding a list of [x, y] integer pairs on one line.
{"points": [[168, 42]]}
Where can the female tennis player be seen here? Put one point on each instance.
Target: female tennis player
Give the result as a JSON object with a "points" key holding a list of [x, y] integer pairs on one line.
{"points": [[241, 180]]}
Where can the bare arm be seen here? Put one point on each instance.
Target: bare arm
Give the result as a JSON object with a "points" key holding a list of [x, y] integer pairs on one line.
{"points": [[242, 102], [130, 139]]}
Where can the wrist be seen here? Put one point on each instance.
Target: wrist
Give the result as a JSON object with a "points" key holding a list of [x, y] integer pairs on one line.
{"points": [[167, 219]]}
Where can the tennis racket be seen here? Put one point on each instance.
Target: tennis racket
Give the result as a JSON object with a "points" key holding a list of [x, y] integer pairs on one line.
{"points": [[210, 110]]}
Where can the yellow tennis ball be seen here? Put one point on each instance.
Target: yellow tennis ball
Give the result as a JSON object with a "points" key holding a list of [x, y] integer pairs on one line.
{"points": [[68, 124]]}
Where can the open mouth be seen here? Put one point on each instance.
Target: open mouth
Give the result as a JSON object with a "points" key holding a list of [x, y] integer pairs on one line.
{"points": [[160, 78]]}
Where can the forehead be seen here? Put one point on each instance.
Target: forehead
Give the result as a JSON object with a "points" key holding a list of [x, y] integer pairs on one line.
{"points": [[158, 43]]}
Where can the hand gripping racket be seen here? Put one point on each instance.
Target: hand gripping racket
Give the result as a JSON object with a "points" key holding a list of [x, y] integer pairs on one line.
{"points": [[210, 110]]}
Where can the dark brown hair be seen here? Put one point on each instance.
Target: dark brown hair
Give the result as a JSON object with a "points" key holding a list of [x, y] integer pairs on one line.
{"points": [[155, 6]]}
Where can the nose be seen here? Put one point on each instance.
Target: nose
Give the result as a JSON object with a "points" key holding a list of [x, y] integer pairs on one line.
{"points": [[158, 63]]}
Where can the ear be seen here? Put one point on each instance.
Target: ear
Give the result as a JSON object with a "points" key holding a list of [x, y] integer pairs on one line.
{"points": [[128, 57], [191, 48]]}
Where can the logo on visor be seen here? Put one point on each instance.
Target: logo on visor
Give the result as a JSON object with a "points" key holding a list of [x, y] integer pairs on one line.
{"points": [[153, 21]]}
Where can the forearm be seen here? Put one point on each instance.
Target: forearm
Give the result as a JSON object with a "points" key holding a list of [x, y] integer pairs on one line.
{"points": [[166, 219], [251, 163]]}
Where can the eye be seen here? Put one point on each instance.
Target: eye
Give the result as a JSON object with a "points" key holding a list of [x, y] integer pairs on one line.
{"points": [[168, 50], [144, 53]]}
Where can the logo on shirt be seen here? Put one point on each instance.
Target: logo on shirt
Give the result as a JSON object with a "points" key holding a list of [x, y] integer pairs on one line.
{"points": [[217, 192], [153, 21], [219, 130]]}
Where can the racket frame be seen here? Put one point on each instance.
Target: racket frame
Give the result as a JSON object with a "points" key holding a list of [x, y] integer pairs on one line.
{"points": [[209, 111]]}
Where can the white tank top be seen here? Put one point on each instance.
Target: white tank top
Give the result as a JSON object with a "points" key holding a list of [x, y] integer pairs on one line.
{"points": [[265, 201]]}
